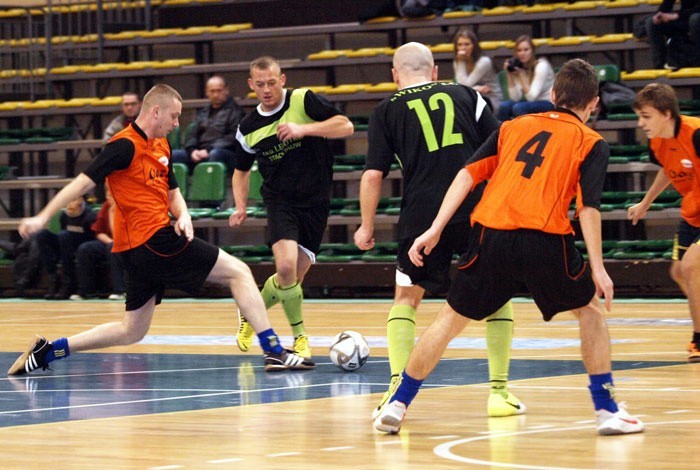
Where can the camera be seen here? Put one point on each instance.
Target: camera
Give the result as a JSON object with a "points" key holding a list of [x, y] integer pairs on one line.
{"points": [[514, 63]]}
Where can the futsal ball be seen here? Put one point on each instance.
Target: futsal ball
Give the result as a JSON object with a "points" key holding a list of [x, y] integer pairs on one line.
{"points": [[349, 350]]}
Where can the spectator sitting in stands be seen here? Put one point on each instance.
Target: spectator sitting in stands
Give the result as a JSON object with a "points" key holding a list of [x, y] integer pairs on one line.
{"points": [[214, 135], [530, 82], [669, 26], [475, 70], [76, 221], [131, 105], [95, 253]]}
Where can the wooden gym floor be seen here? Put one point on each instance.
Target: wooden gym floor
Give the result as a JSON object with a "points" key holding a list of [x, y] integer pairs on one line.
{"points": [[186, 398]]}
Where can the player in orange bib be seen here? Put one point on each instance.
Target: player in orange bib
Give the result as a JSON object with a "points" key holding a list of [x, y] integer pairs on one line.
{"points": [[155, 254], [674, 144], [522, 240]]}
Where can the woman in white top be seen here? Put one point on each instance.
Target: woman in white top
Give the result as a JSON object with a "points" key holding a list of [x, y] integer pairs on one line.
{"points": [[530, 82], [475, 70]]}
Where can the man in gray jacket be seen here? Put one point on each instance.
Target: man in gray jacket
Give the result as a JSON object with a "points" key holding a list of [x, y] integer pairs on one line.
{"points": [[213, 135]]}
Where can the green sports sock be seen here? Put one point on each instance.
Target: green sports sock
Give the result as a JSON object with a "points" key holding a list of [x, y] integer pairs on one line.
{"points": [[292, 298], [401, 336], [499, 335], [269, 292]]}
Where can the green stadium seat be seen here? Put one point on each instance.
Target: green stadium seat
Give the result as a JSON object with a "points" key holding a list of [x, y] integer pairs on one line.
{"points": [[208, 182]]}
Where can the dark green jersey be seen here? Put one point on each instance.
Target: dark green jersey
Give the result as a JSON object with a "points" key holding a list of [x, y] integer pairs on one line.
{"points": [[432, 129], [298, 171]]}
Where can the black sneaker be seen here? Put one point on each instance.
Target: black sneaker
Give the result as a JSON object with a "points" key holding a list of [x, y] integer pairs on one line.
{"points": [[33, 358], [286, 360]]}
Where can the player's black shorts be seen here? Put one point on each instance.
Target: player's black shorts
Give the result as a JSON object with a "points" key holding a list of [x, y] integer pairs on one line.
{"points": [[166, 260], [501, 263], [305, 225], [434, 275], [686, 235]]}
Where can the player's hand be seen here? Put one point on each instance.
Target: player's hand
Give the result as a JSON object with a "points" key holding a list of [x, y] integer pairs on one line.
{"points": [[199, 155], [237, 218], [636, 212], [30, 225], [363, 238], [184, 226], [422, 246], [288, 131], [604, 286]]}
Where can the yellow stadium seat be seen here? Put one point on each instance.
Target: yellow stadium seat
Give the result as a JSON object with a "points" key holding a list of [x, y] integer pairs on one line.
{"points": [[382, 19], [584, 5], [490, 45], [540, 41], [346, 89], [232, 28], [644, 74], [420, 18], [172, 63], [689, 72], [66, 69], [568, 40], [329, 54], [39, 104], [103, 67], [458, 14], [318, 88], [9, 105], [444, 47], [498, 11], [136, 65], [107, 101], [369, 52], [611, 38], [540, 8], [622, 3], [122, 35]]}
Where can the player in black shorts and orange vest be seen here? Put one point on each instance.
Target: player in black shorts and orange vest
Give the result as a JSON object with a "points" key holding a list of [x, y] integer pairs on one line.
{"points": [[522, 239], [432, 128], [155, 254], [674, 144]]}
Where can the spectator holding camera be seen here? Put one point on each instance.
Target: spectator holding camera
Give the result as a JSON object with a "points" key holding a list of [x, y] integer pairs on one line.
{"points": [[530, 81], [475, 70]]}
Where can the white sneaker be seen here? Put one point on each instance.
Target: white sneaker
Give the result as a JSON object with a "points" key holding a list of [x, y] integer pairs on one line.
{"points": [[76, 297], [391, 417], [393, 386], [622, 422], [116, 297]]}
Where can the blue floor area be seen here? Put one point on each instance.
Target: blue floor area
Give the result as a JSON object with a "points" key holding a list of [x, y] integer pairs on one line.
{"points": [[93, 385]]}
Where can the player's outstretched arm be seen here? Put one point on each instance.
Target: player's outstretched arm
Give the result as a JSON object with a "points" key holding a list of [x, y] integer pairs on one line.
{"points": [[81, 185], [639, 210]]}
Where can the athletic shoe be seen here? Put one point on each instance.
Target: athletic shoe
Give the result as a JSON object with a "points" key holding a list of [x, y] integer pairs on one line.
{"points": [[76, 297], [33, 358], [693, 352], [499, 406], [621, 422], [286, 360], [244, 338], [391, 417], [116, 297], [393, 385], [301, 346]]}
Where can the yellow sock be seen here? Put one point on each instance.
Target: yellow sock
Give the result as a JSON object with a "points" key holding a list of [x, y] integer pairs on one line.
{"points": [[292, 297], [499, 335], [269, 292], [401, 336]]}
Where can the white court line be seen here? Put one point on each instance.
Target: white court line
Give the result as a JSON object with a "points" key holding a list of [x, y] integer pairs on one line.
{"points": [[445, 450], [283, 454], [334, 449], [231, 460]]}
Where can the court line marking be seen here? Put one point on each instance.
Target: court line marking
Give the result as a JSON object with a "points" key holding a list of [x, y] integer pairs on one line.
{"points": [[444, 450]]}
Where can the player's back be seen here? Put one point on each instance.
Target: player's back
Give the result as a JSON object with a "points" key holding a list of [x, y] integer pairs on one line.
{"points": [[537, 175]]}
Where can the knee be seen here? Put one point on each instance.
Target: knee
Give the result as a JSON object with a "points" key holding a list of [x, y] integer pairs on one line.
{"points": [[134, 332], [286, 270]]}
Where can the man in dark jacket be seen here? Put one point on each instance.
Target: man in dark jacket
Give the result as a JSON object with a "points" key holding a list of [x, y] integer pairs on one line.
{"points": [[680, 27], [213, 135]]}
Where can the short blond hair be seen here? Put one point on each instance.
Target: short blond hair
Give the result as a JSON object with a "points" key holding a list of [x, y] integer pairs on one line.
{"points": [[159, 95]]}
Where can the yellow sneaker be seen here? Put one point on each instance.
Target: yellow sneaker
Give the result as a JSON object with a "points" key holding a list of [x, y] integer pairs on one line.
{"points": [[393, 385], [499, 406], [301, 346], [244, 338]]}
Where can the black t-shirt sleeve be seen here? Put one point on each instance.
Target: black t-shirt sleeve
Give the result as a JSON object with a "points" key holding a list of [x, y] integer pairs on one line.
{"points": [[116, 155], [380, 151], [318, 108], [487, 124], [593, 172], [488, 148], [696, 142]]}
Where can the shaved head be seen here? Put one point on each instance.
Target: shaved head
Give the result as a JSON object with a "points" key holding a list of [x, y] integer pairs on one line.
{"points": [[413, 58]]}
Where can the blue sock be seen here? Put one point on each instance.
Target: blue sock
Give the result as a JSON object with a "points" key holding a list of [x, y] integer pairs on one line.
{"points": [[603, 392], [59, 350], [269, 342], [408, 389]]}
